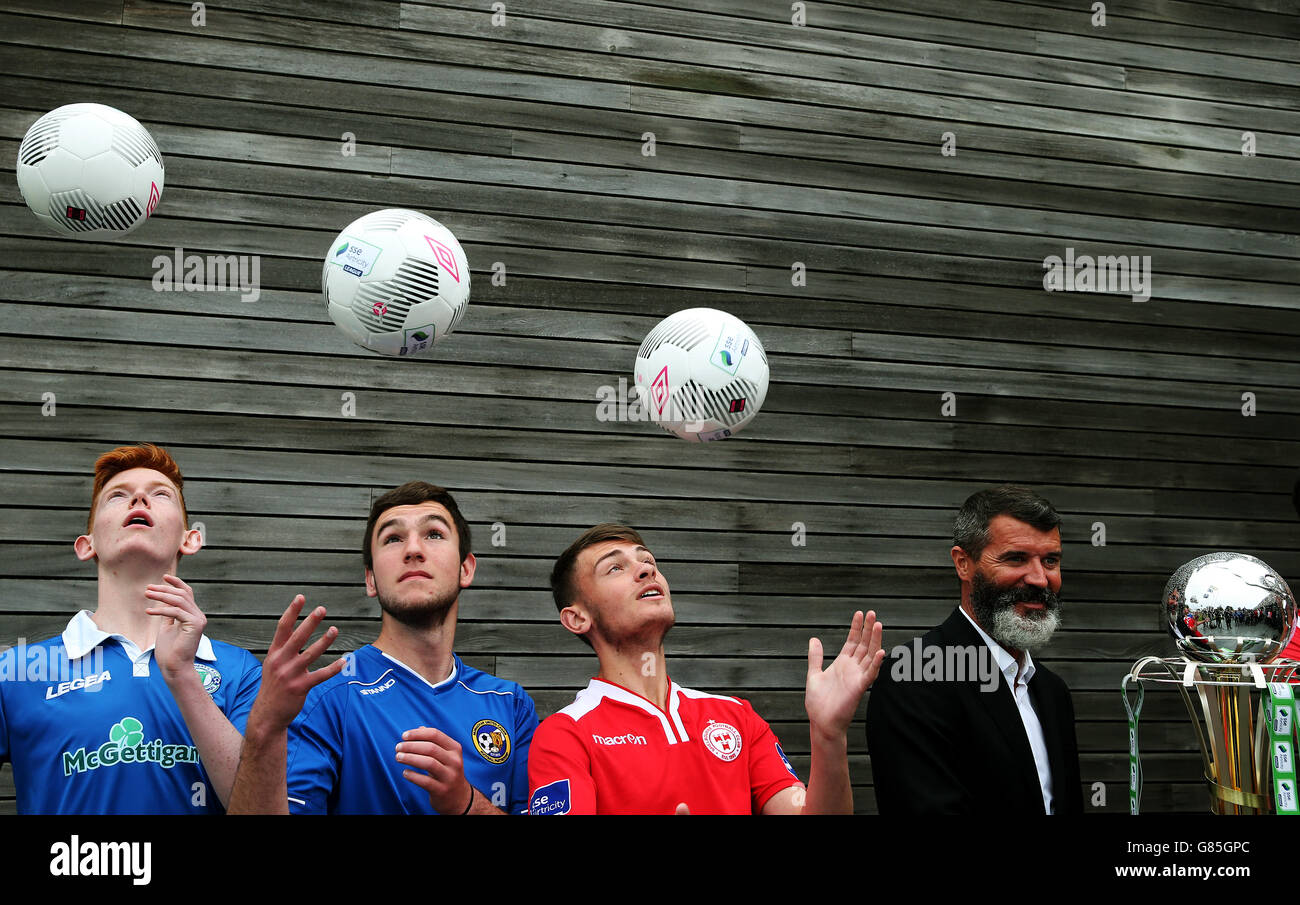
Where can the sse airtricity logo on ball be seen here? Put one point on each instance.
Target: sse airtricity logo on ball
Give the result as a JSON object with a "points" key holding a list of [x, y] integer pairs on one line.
{"points": [[355, 256], [728, 351], [492, 741], [722, 740]]}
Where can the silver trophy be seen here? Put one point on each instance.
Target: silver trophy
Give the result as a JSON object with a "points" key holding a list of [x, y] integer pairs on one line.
{"points": [[1231, 616], [1229, 608]]}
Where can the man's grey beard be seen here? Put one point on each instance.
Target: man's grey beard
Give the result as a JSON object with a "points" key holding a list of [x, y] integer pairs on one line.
{"points": [[995, 611], [430, 614]]}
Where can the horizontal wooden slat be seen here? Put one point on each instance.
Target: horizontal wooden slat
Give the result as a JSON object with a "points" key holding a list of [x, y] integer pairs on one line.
{"points": [[103, 425], [905, 617], [774, 144], [863, 373]]}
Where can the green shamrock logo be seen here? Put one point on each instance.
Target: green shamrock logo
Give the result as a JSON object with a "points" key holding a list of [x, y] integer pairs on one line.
{"points": [[127, 733]]}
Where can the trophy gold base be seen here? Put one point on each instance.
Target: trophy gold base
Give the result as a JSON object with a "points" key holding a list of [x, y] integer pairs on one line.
{"points": [[1226, 704]]}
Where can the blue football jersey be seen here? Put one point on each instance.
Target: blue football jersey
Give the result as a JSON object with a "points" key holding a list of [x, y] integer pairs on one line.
{"points": [[343, 745], [90, 726]]}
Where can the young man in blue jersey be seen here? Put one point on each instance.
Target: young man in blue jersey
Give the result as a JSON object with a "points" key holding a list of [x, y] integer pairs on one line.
{"points": [[401, 726], [132, 710]]}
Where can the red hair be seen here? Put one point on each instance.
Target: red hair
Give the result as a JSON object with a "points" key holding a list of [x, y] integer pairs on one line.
{"points": [[124, 458]]}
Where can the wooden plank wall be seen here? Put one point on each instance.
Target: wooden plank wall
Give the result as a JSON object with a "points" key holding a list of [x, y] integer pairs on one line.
{"points": [[775, 143]]}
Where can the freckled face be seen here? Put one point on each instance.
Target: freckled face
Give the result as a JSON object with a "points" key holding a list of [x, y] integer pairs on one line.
{"points": [[138, 514]]}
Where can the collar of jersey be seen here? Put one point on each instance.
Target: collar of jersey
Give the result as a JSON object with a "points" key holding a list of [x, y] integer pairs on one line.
{"points": [[455, 669], [82, 636], [671, 720]]}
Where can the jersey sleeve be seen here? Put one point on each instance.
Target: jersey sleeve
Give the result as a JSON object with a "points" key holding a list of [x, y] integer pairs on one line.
{"points": [[769, 769], [239, 704], [314, 754], [559, 770], [525, 728]]}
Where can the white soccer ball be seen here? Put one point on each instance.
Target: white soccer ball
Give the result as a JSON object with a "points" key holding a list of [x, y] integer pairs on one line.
{"points": [[702, 374], [87, 168], [395, 282]]}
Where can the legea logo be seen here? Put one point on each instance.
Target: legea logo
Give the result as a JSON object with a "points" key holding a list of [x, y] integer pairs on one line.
{"points": [[126, 745]]}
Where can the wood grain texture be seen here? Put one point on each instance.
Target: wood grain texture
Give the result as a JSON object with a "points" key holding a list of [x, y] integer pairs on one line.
{"points": [[1173, 422]]}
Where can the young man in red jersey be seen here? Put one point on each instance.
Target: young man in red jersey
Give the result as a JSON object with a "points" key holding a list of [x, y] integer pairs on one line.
{"points": [[635, 742]]}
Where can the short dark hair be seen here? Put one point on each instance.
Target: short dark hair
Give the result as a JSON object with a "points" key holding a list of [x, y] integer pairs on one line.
{"points": [[970, 529], [563, 586], [412, 493]]}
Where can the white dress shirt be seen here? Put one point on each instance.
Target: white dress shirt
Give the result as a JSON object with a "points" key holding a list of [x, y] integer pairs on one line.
{"points": [[1017, 680]]}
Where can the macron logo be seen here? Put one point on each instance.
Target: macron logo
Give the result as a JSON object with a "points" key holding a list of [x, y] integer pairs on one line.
{"points": [[619, 739]]}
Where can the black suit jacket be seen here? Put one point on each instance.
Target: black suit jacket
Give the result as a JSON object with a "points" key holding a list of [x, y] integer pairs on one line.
{"points": [[946, 747]]}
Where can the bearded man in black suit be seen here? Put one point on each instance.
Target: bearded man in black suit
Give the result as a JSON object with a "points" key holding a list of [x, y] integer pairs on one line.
{"points": [[964, 720]]}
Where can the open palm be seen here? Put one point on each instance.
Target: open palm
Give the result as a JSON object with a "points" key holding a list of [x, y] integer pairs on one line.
{"points": [[832, 695]]}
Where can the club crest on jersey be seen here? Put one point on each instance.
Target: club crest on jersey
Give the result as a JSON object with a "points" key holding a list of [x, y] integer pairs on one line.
{"points": [[211, 678], [722, 740], [492, 741]]}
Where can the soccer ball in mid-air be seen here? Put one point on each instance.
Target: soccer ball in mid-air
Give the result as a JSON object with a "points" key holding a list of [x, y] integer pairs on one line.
{"points": [[702, 373], [395, 282], [87, 168]]}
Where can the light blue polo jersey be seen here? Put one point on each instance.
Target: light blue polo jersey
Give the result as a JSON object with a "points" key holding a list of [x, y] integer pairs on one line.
{"points": [[90, 726], [343, 745]]}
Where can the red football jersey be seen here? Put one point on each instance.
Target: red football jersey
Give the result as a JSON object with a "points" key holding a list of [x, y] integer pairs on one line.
{"points": [[614, 752]]}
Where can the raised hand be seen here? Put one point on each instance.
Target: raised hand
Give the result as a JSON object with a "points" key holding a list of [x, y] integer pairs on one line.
{"points": [[182, 626], [831, 696], [286, 673]]}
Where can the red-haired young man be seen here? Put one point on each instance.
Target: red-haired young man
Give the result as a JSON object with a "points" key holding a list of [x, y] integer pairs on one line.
{"points": [[132, 710], [635, 742]]}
